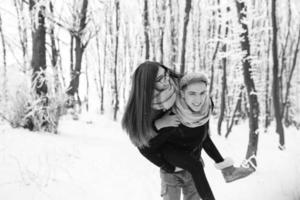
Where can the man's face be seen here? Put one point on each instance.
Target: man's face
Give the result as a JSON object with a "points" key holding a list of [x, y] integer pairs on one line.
{"points": [[194, 95]]}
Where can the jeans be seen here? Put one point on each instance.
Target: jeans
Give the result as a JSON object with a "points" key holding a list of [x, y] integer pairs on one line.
{"points": [[186, 161], [173, 183]]}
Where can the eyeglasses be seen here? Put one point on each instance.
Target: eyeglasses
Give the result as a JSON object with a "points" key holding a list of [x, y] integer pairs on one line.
{"points": [[163, 78]]}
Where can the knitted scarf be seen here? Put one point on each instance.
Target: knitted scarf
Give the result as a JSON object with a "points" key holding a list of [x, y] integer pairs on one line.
{"points": [[164, 99], [189, 117]]}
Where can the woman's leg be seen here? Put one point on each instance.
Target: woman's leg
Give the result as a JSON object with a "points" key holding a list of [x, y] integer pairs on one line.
{"points": [[186, 161]]}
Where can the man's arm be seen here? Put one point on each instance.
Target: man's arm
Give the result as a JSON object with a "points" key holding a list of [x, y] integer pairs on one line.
{"points": [[211, 150]]}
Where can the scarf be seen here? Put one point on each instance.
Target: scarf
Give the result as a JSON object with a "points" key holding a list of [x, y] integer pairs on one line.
{"points": [[165, 99], [189, 117]]}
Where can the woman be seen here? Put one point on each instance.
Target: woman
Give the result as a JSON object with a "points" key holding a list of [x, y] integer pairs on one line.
{"points": [[153, 93]]}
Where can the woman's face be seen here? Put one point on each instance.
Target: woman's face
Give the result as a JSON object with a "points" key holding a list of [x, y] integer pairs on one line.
{"points": [[162, 79], [194, 95]]}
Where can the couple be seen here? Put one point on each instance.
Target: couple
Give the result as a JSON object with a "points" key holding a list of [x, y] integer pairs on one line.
{"points": [[167, 119]]}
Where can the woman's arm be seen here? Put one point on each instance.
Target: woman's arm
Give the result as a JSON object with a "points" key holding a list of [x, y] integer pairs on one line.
{"points": [[157, 159], [165, 127], [153, 153]]}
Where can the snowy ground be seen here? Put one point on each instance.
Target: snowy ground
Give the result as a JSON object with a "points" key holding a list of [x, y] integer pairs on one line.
{"points": [[93, 159]]}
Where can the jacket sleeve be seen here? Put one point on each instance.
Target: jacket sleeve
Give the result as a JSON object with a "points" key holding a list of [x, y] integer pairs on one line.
{"points": [[153, 153], [163, 135], [157, 159], [211, 150]]}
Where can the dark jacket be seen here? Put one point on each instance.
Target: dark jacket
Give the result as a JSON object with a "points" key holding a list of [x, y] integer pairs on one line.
{"points": [[183, 138]]}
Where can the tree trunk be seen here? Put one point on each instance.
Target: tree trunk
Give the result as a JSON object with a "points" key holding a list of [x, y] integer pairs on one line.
{"points": [[276, 98], [237, 106], [38, 61], [22, 30], [116, 106], [213, 66], [162, 22], [146, 29], [184, 34], [79, 50], [250, 87], [283, 57], [216, 48], [71, 55], [4, 76], [194, 41], [101, 74], [223, 98], [174, 35], [54, 55], [267, 97], [286, 103], [59, 66], [86, 100], [104, 67], [224, 84], [199, 39]]}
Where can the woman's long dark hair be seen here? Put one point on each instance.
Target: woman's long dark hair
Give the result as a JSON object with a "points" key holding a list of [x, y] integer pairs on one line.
{"points": [[138, 115]]}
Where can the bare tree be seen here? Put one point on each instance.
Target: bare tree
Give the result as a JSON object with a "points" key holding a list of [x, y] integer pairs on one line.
{"points": [[286, 103], [79, 50], [146, 29], [116, 91], [161, 18], [236, 109], [4, 75], [276, 98], [22, 31], [100, 81], [224, 81], [267, 102], [212, 67], [267, 93], [54, 54], [200, 41], [86, 99], [194, 21], [283, 63], [174, 34], [249, 83], [38, 61], [184, 35]]}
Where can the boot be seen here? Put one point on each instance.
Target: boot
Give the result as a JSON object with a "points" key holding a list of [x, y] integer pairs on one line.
{"points": [[232, 173]]}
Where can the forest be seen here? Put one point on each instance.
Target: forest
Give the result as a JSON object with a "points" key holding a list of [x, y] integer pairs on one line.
{"points": [[59, 57]]}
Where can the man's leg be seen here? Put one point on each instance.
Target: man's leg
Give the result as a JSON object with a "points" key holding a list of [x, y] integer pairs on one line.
{"points": [[170, 186]]}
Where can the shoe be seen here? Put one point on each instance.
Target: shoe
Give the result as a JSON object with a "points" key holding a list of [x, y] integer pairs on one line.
{"points": [[232, 173]]}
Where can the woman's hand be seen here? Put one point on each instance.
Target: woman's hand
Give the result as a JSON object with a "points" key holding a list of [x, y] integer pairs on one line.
{"points": [[177, 169], [167, 120]]}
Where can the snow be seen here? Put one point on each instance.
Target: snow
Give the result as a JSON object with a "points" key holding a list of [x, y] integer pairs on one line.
{"points": [[92, 158]]}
